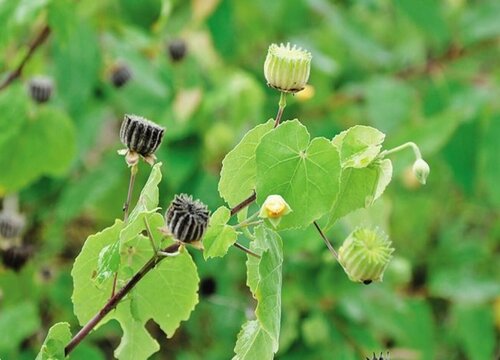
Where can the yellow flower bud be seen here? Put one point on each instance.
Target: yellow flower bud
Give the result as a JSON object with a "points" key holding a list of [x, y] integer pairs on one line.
{"points": [[273, 208]]}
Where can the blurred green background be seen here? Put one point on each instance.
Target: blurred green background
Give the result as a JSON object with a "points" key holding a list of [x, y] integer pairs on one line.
{"points": [[420, 70]]}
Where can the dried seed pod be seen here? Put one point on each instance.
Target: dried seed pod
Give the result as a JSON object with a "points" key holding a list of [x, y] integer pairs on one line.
{"points": [[11, 224], [365, 254], [120, 75], [177, 49], [187, 219], [40, 88], [140, 135], [16, 257]]}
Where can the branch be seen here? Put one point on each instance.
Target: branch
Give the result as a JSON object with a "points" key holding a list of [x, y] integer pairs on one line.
{"points": [[243, 204], [115, 299], [39, 40]]}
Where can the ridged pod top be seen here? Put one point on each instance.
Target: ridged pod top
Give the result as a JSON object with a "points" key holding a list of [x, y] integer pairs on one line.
{"points": [[365, 254], [140, 135], [11, 225], [287, 67], [187, 219]]}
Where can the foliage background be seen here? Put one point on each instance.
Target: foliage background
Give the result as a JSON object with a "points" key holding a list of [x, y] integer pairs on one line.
{"points": [[426, 71]]}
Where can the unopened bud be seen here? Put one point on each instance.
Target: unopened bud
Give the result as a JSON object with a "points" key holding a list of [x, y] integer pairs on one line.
{"points": [[120, 75], [421, 170], [274, 208], [287, 67], [177, 50], [365, 254]]}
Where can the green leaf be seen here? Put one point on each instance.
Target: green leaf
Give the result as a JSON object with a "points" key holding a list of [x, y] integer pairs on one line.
{"points": [[42, 145], [358, 146], [167, 294], [253, 343], [260, 339], [359, 188], [475, 331], [136, 224], [219, 236], [88, 298], [57, 338], [306, 174], [136, 343], [149, 198], [237, 177], [108, 262], [268, 293], [19, 322]]}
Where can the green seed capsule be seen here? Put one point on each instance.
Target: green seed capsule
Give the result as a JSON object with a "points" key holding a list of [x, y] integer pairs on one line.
{"points": [[365, 254], [287, 68]]}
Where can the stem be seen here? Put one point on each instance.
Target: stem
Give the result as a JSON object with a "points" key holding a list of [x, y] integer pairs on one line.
{"points": [[113, 301], [247, 250], [281, 107], [133, 173], [150, 236], [247, 224], [39, 40], [243, 204], [409, 144], [327, 242]]}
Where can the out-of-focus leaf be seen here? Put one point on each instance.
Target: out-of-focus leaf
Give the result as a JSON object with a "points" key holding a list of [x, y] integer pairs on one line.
{"points": [[17, 323]]}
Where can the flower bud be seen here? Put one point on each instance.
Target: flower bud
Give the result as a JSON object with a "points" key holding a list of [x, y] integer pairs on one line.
{"points": [[15, 257], [273, 208], [177, 50], [421, 170], [40, 88], [365, 254], [120, 75], [287, 68], [11, 224], [187, 219], [141, 136]]}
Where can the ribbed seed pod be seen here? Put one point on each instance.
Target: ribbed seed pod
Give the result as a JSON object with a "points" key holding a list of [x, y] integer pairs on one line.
{"points": [[177, 49], [140, 135], [40, 88], [187, 219], [287, 68], [381, 357], [120, 75], [365, 254], [16, 257], [11, 225]]}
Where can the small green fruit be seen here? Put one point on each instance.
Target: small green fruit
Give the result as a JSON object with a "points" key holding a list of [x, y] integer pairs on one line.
{"points": [[287, 67], [365, 254]]}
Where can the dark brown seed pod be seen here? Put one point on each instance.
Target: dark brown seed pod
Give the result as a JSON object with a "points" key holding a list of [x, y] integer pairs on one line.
{"points": [[40, 88], [16, 257], [177, 49], [140, 135], [11, 225], [120, 75], [187, 219]]}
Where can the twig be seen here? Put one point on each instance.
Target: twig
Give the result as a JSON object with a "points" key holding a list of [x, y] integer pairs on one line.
{"points": [[243, 204], [247, 250], [39, 40], [113, 301], [327, 242]]}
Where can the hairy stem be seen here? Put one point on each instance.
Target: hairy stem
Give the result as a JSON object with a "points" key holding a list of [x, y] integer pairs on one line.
{"points": [[115, 299], [409, 144], [133, 173], [39, 40], [281, 107], [248, 201], [327, 242], [247, 250]]}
